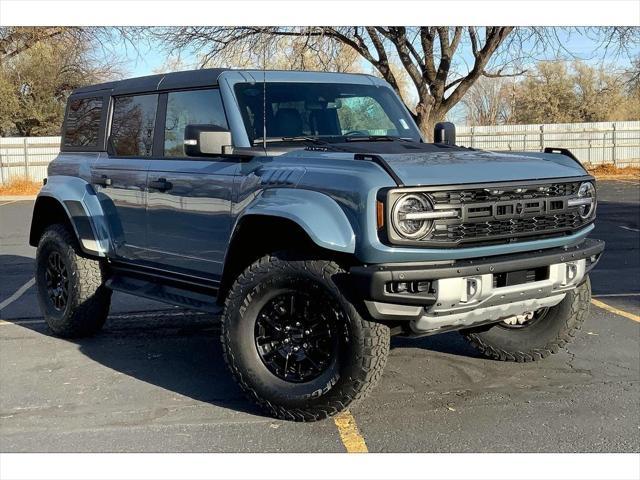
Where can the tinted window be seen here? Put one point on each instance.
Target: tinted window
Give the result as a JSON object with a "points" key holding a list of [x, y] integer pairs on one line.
{"points": [[83, 122], [196, 107], [132, 125]]}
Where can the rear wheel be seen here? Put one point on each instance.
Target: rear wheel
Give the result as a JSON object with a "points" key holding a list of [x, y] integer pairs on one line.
{"points": [[71, 294], [547, 331], [294, 342]]}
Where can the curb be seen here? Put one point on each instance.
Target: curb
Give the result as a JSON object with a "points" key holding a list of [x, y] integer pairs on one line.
{"points": [[16, 198]]}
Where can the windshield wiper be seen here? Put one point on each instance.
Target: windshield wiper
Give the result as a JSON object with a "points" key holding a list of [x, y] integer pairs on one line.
{"points": [[317, 143], [291, 139], [375, 138]]}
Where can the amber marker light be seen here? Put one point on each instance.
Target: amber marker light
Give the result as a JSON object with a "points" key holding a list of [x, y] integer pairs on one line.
{"points": [[380, 214]]}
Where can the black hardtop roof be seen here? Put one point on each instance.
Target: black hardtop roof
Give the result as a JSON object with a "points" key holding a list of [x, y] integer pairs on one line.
{"points": [[151, 83], [205, 77]]}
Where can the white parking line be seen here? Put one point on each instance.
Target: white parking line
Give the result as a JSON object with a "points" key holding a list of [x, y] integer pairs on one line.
{"points": [[618, 295], [8, 203], [18, 294], [629, 228]]}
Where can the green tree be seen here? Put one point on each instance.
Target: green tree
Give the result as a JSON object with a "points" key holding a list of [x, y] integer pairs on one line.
{"points": [[36, 82]]}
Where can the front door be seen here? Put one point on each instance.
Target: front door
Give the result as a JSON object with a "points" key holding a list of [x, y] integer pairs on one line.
{"points": [[120, 176], [189, 199]]}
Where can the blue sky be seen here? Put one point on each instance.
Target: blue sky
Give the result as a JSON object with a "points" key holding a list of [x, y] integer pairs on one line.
{"points": [[151, 57]]}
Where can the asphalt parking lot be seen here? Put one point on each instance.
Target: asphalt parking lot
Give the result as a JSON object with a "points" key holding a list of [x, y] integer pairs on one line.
{"points": [[154, 379]]}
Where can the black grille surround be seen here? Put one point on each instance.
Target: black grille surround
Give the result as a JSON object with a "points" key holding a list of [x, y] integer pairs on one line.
{"points": [[496, 213]]}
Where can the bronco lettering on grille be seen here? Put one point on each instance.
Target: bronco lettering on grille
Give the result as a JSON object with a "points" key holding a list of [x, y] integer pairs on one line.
{"points": [[496, 214]]}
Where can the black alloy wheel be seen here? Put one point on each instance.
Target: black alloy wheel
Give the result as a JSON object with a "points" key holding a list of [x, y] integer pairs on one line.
{"points": [[298, 334], [70, 286], [57, 280]]}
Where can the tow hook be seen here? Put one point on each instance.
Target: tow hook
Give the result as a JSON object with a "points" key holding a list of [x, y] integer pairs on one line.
{"points": [[519, 319]]}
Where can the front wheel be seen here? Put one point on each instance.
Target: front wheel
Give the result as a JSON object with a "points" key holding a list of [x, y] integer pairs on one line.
{"points": [[545, 333], [295, 344]]}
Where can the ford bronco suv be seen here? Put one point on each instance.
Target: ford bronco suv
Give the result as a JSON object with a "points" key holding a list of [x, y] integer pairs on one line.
{"points": [[307, 210]]}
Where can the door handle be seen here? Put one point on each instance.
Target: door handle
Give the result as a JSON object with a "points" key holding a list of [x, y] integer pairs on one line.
{"points": [[161, 184], [101, 180]]}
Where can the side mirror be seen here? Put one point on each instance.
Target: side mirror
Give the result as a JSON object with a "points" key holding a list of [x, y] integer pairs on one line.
{"points": [[444, 132], [202, 140]]}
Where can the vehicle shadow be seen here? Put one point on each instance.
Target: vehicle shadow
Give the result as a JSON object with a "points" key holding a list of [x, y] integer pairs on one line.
{"points": [[450, 343], [178, 351]]}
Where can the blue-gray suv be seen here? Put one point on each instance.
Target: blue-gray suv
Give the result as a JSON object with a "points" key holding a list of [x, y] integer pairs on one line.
{"points": [[307, 210]]}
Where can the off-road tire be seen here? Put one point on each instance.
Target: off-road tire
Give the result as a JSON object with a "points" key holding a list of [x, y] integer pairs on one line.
{"points": [[558, 327], [316, 399], [88, 302]]}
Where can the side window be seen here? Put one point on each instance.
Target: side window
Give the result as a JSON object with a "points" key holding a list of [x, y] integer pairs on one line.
{"points": [[195, 107], [83, 122], [132, 125]]}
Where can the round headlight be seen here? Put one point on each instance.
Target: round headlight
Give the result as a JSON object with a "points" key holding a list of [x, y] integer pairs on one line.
{"points": [[407, 227], [587, 191]]}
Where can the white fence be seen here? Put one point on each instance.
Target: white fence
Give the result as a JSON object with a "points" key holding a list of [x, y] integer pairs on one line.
{"points": [[26, 157], [593, 143], [617, 143]]}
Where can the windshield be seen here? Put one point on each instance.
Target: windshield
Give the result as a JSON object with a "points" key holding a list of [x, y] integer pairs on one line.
{"points": [[322, 110]]}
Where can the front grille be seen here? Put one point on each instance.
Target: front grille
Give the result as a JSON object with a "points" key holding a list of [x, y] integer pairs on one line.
{"points": [[479, 195], [514, 227], [501, 213]]}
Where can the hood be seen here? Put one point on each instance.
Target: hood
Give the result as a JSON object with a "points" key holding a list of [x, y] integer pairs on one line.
{"points": [[435, 164], [473, 166]]}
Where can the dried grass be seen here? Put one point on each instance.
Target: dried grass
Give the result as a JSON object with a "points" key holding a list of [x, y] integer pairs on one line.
{"points": [[608, 170], [20, 186]]}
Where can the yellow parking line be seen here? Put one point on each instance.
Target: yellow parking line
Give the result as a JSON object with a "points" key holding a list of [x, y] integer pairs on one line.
{"points": [[617, 311], [349, 433]]}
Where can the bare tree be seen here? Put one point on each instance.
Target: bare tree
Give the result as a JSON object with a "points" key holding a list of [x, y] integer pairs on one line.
{"points": [[442, 63], [488, 101]]}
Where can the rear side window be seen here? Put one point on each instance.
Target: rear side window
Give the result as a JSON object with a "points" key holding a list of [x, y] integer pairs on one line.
{"points": [[132, 125], [196, 107], [82, 124]]}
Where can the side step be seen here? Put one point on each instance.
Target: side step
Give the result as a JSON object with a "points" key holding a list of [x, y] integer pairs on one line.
{"points": [[174, 295]]}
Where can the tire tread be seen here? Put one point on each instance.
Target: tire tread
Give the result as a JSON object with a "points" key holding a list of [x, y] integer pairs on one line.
{"points": [[374, 346]]}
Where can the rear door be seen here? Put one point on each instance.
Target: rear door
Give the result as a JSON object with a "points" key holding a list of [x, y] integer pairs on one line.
{"points": [[189, 198], [120, 176]]}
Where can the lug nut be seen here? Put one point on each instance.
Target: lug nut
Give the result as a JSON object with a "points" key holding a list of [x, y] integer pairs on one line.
{"points": [[295, 349], [287, 328], [286, 340], [305, 345], [306, 332], [297, 324]]}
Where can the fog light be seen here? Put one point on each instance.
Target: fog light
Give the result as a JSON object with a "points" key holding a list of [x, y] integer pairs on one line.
{"points": [[399, 287], [422, 286]]}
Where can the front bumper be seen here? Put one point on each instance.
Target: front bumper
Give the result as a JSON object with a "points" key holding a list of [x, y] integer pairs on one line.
{"points": [[439, 296]]}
